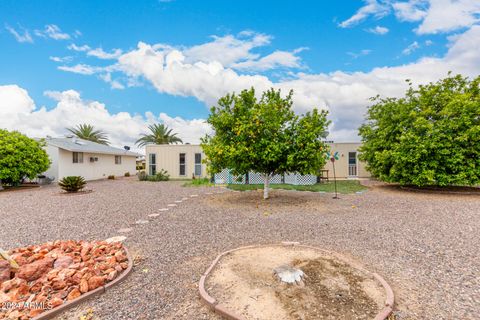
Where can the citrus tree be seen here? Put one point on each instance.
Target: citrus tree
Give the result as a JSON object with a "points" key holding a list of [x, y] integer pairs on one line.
{"points": [[20, 157], [265, 136], [431, 136]]}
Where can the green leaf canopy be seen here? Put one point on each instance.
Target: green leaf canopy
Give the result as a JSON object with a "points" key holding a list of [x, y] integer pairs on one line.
{"points": [[20, 157], [159, 134], [264, 135], [88, 132], [431, 136]]}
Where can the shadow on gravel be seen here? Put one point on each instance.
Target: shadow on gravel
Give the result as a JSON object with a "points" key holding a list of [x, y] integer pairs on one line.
{"points": [[453, 192], [280, 200]]}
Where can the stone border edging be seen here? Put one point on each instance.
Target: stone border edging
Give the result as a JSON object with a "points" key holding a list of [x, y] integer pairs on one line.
{"points": [[56, 311], [217, 307]]}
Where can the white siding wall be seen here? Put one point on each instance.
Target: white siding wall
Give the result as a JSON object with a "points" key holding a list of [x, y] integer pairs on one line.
{"points": [[167, 158], [52, 171], [341, 165], [100, 169]]}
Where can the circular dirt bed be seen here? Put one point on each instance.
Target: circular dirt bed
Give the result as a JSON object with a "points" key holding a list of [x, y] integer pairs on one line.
{"points": [[244, 283]]}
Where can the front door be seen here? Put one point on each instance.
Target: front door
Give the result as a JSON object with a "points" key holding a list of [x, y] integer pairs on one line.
{"points": [[352, 164]]}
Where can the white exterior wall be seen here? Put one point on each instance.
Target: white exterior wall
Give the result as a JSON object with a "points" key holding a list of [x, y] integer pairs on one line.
{"points": [[167, 158], [100, 169], [52, 171], [341, 165]]}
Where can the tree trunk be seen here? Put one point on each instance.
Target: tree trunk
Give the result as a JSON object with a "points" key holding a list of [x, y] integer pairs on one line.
{"points": [[1, 188], [266, 185]]}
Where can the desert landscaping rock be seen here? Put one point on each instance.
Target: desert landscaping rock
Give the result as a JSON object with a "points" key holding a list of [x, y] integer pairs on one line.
{"points": [[5, 270], [54, 273], [425, 245]]}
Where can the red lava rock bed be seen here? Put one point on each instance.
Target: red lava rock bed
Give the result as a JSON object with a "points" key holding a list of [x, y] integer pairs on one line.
{"points": [[56, 272]]}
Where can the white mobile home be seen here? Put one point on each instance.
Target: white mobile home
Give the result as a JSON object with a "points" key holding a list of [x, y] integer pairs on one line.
{"points": [[93, 161], [185, 161]]}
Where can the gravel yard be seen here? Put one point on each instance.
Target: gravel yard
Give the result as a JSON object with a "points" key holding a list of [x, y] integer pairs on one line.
{"points": [[424, 245]]}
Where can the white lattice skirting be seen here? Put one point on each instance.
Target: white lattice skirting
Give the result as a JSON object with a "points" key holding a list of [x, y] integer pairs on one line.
{"points": [[225, 177]]}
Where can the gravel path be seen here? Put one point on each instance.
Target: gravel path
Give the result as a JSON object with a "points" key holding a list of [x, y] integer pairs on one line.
{"points": [[424, 245]]}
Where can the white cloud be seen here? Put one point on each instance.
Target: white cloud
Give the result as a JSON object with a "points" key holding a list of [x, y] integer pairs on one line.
{"points": [[413, 10], [100, 54], [449, 15], [80, 69], [114, 84], [20, 37], [371, 8], [378, 30], [14, 102], [274, 60], [228, 49], [345, 95], [18, 112], [411, 47], [433, 16], [61, 59], [52, 31], [363, 52], [74, 47]]}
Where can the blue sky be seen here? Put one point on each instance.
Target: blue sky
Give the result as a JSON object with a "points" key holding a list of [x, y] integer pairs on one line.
{"points": [[327, 51]]}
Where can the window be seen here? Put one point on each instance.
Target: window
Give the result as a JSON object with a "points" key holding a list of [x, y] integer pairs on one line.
{"points": [[77, 157], [352, 158], [198, 164], [152, 164], [182, 164], [118, 159], [352, 164]]}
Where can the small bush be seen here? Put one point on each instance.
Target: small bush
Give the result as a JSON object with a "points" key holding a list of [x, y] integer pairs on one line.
{"points": [[72, 183], [111, 177], [162, 175], [127, 174]]}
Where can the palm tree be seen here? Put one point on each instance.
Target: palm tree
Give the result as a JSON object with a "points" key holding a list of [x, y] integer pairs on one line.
{"points": [[88, 132], [160, 134]]}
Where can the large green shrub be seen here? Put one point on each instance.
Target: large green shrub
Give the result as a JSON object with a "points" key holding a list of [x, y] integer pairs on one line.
{"points": [[431, 136], [20, 157], [72, 183]]}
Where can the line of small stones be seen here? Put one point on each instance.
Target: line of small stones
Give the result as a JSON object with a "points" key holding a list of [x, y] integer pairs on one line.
{"points": [[169, 207]]}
